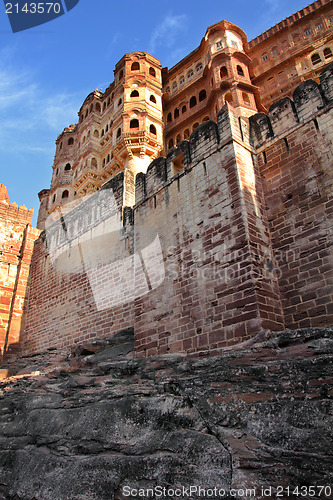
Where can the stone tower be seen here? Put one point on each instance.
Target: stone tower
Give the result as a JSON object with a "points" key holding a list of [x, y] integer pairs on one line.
{"points": [[198, 86], [118, 130]]}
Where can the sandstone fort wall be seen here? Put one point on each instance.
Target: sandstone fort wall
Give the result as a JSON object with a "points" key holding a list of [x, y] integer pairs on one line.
{"points": [[230, 235], [16, 245]]}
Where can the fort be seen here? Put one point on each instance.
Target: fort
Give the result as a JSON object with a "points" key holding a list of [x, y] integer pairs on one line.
{"points": [[187, 203]]}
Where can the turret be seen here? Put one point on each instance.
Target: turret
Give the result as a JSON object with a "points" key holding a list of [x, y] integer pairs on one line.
{"points": [[139, 126], [198, 86], [4, 194], [229, 63], [118, 130], [43, 212]]}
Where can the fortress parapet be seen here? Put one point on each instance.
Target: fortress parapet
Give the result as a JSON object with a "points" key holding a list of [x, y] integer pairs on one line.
{"points": [[309, 101]]}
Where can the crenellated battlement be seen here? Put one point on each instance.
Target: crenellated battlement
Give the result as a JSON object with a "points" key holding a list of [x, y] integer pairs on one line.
{"points": [[14, 211], [207, 139], [309, 100]]}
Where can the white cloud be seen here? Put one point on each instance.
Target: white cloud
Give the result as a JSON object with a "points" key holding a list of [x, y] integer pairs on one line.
{"points": [[27, 111], [166, 32]]}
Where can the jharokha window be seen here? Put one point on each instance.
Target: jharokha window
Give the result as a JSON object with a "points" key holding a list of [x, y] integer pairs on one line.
{"points": [[193, 101], [134, 123], [223, 71], [240, 71], [327, 53], [202, 95], [315, 59]]}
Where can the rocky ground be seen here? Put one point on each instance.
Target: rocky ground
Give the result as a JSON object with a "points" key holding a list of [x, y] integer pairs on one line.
{"points": [[96, 423]]}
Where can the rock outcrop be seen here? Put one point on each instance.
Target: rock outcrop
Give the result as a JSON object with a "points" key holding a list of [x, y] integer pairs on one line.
{"points": [[97, 424]]}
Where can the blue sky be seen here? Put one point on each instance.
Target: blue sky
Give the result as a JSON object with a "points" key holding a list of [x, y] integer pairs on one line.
{"points": [[46, 72]]}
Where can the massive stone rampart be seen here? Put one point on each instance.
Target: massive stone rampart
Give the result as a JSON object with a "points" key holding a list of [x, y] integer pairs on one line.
{"points": [[229, 236]]}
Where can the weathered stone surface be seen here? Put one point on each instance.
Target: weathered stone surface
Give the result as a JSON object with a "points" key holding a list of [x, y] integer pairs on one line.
{"points": [[254, 417]]}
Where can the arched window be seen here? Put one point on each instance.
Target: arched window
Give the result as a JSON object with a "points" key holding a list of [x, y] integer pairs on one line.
{"points": [[246, 97], [106, 128], [169, 117], [120, 101], [95, 133], [103, 162], [98, 107], [193, 101], [102, 133], [135, 66], [54, 198], [196, 125], [184, 109], [202, 95], [108, 159], [178, 139], [174, 86], [205, 119], [67, 166], [240, 70], [134, 93], [104, 106], [84, 139], [57, 171], [315, 59], [121, 75], [170, 143], [167, 89], [176, 113], [134, 123], [70, 141], [152, 98], [190, 74], [94, 162], [198, 67], [186, 133], [152, 129], [152, 72], [228, 97], [65, 194], [108, 103], [223, 71], [327, 53], [118, 133], [264, 56], [86, 113], [181, 80]]}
